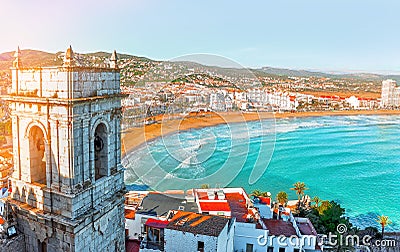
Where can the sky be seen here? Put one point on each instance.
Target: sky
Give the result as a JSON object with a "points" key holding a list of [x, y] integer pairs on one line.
{"points": [[328, 35]]}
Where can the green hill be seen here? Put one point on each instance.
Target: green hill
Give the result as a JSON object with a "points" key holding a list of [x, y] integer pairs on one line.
{"points": [[35, 58]]}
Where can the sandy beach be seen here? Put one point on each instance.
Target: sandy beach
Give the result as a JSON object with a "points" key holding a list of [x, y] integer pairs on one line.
{"points": [[164, 125]]}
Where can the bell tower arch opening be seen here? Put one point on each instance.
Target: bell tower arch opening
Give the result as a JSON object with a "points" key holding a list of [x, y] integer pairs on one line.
{"points": [[37, 155], [100, 146]]}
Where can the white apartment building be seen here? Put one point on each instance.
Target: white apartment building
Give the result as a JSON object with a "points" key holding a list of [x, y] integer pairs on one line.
{"points": [[220, 101], [390, 94], [263, 98]]}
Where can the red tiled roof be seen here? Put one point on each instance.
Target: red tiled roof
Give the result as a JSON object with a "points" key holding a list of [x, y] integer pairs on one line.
{"points": [[237, 203], [306, 228], [279, 227], [209, 225], [207, 206], [156, 223]]}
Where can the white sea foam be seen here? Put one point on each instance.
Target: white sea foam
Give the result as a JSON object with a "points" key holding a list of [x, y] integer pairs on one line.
{"points": [[347, 156]]}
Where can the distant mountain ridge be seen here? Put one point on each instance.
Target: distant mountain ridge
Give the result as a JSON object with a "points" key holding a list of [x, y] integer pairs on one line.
{"points": [[36, 58], [306, 73]]}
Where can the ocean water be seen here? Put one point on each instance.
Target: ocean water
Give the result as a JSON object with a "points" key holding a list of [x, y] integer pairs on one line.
{"points": [[354, 160]]}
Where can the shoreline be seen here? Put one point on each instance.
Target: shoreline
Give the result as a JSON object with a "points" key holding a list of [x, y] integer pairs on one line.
{"points": [[135, 137]]}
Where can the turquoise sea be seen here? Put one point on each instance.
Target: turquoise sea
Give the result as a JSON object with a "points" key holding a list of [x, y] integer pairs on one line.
{"points": [[354, 160]]}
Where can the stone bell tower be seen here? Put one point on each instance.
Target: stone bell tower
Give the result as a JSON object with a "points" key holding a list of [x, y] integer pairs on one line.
{"points": [[67, 185]]}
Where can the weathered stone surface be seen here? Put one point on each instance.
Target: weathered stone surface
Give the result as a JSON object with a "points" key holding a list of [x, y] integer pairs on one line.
{"points": [[77, 204], [14, 244]]}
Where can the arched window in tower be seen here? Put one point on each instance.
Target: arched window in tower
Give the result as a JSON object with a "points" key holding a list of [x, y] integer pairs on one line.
{"points": [[37, 155], [100, 151]]}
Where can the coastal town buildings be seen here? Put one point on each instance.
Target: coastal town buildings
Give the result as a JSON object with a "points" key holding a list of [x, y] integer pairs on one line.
{"points": [[67, 185], [390, 94], [203, 219], [183, 97]]}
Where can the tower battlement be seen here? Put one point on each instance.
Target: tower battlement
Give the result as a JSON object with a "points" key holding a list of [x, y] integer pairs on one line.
{"points": [[65, 82]]}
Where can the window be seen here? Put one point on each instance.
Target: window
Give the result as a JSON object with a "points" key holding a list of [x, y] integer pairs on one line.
{"points": [[37, 155], [282, 249], [100, 146], [249, 247], [42, 246], [296, 250], [270, 249], [156, 233], [200, 246]]}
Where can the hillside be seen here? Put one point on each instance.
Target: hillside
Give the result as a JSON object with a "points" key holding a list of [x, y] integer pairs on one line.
{"points": [[30, 58], [34, 58], [305, 73], [136, 69]]}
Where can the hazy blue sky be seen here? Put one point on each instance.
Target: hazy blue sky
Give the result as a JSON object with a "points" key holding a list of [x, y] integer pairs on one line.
{"points": [[337, 35]]}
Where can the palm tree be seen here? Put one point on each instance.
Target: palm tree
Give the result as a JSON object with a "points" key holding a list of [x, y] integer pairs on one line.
{"points": [[205, 186], [256, 193], [316, 200], [299, 187], [282, 198], [266, 194], [325, 204], [383, 220]]}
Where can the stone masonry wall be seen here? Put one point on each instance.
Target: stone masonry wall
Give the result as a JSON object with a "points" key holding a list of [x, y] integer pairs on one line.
{"points": [[52, 82], [105, 234], [15, 244], [102, 230]]}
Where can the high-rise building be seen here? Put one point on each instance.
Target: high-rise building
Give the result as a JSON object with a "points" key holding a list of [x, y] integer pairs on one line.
{"points": [[67, 185], [390, 94]]}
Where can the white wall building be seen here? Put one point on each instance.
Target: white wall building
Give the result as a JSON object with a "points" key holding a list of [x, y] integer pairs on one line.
{"points": [[353, 102], [390, 94], [193, 232], [267, 99], [220, 102]]}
